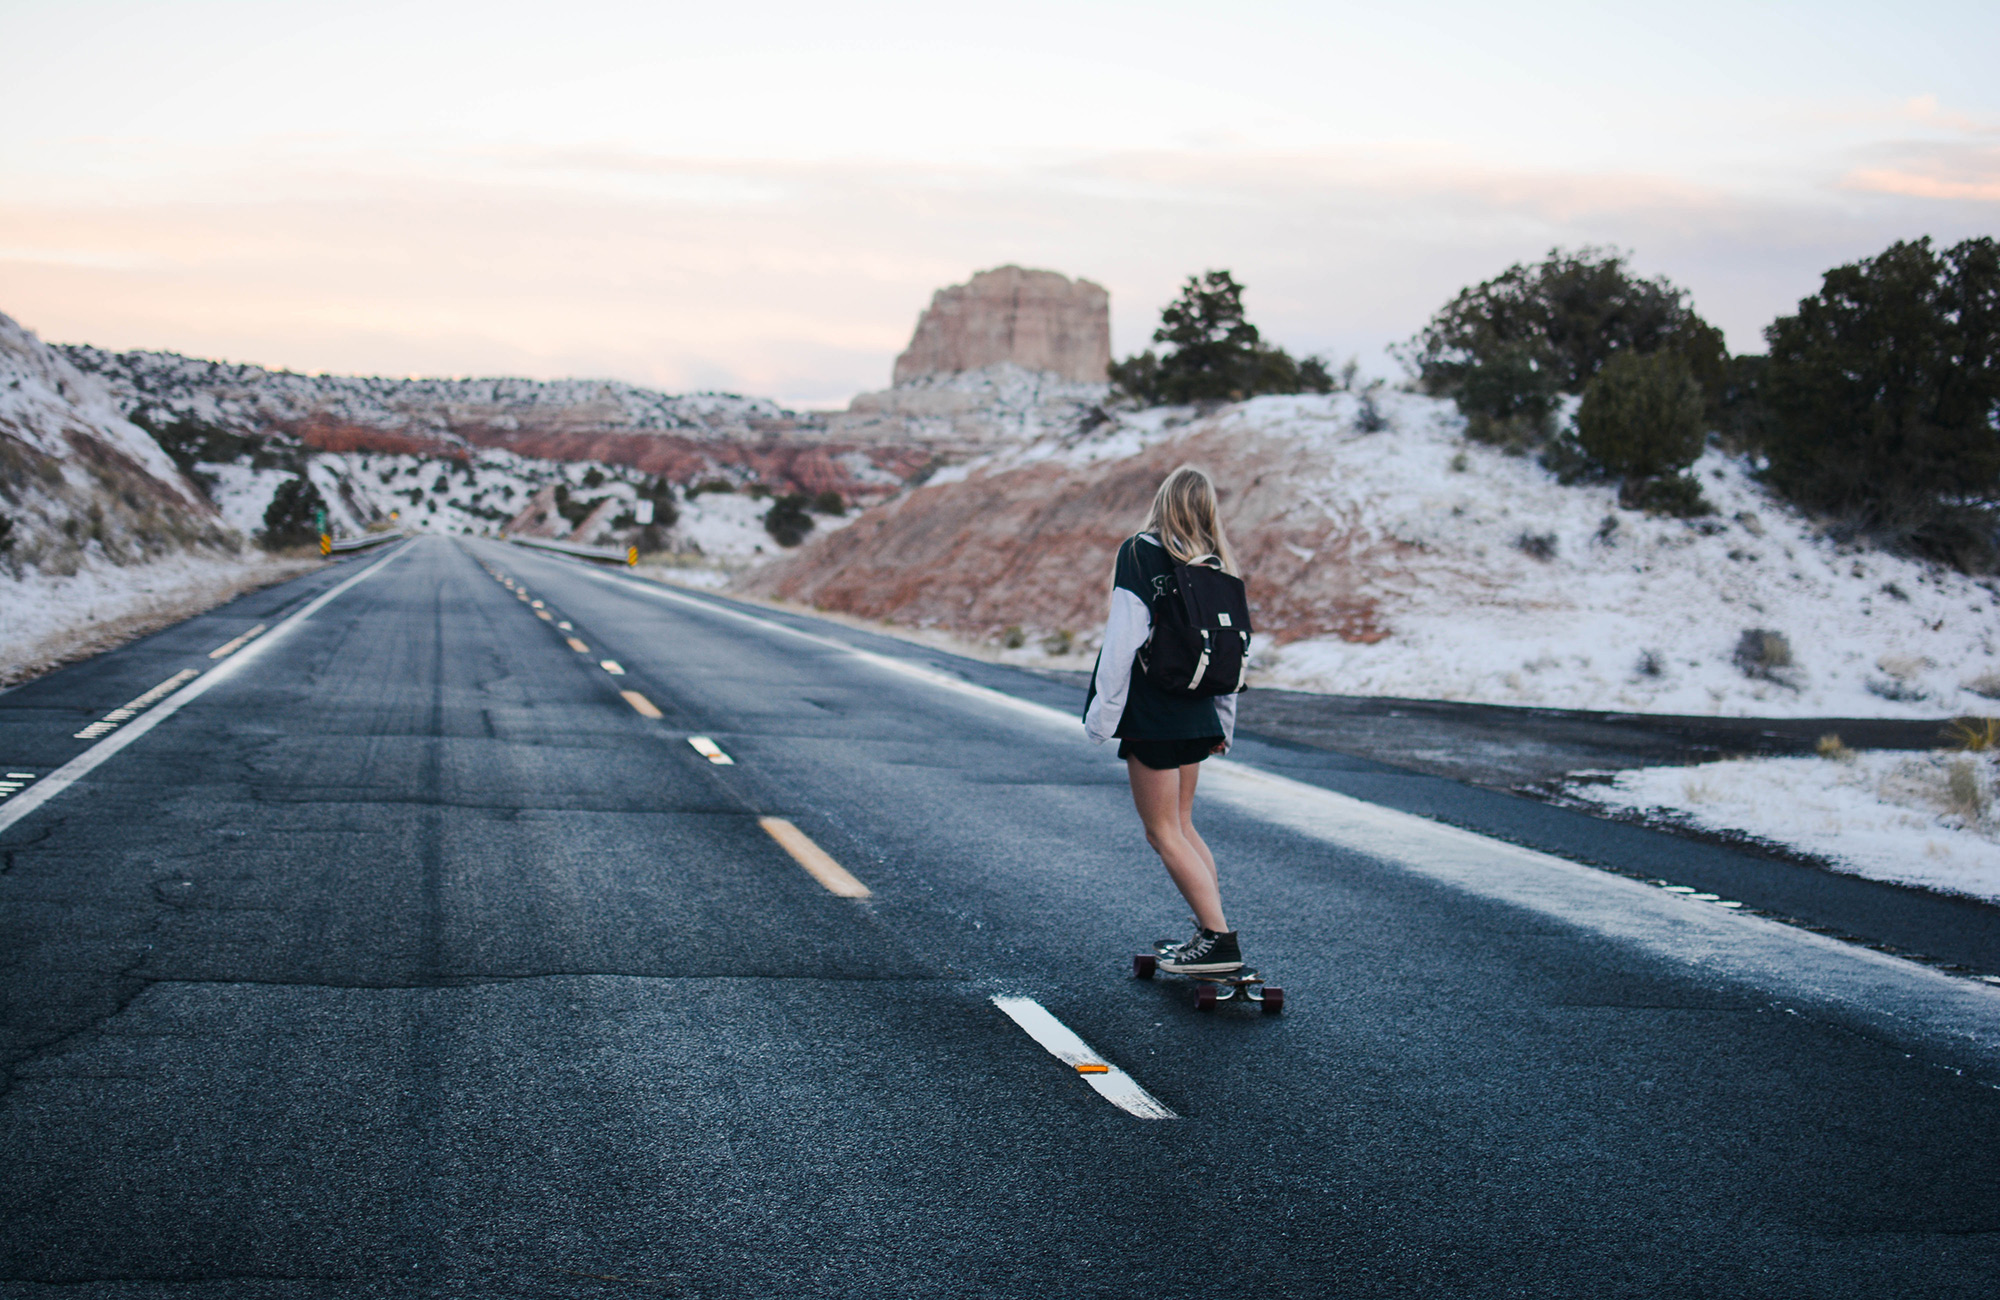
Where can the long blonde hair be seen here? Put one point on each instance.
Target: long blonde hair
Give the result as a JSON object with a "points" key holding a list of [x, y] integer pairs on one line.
{"points": [[1184, 518]]}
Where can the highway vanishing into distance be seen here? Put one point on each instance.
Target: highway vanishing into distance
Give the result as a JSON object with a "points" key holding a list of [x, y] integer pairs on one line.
{"points": [[402, 931]]}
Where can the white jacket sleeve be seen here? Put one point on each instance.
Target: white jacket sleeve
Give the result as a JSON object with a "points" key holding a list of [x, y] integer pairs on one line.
{"points": [[1225, 709], [1127, 628]]}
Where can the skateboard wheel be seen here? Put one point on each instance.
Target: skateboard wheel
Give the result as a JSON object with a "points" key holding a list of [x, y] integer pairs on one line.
{"points": [[1143, 966], [1274, 1000], [1204, 998]]}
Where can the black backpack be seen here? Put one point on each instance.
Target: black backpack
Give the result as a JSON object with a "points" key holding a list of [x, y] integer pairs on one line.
{"points": [[1201, 632]]}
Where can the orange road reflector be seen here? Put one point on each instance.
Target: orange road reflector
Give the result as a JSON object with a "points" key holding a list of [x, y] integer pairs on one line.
{"points": [[1092, 1067]]}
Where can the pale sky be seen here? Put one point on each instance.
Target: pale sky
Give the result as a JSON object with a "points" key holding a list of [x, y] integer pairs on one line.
{"points": [[761, 197]]}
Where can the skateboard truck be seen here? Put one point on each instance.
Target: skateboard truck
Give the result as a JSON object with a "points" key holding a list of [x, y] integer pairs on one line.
{"points": [[1220, 987]]}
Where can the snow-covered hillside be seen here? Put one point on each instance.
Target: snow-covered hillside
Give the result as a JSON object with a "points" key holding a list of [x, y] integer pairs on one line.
{"points": [[1389, 556], [246, 397], [100, 535]]}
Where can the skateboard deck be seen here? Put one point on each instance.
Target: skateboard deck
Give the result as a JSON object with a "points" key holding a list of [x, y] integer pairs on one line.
{"points": [[1210, 990]]}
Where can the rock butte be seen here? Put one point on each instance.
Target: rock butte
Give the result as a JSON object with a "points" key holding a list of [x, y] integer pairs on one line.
{"points": [[1038, 320]]}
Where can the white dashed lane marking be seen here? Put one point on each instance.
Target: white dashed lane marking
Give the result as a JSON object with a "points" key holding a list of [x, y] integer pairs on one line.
{"points": [[228, 648], [173, 693], [709, 750], [813, 858], [577, 645], [126, 712], [1112, 1083], [611, 666]]}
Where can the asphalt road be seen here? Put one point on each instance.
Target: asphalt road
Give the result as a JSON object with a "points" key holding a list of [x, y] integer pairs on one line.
{"points": [[409, 958]]}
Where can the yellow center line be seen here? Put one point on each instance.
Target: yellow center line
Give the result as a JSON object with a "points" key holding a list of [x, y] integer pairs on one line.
{"points": [[543, 613], [645, 706], [813, 858], [577, 645]]}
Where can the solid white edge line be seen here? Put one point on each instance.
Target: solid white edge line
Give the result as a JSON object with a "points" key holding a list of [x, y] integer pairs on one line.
{"points": [[1061, 1042], [69, 773], [1898, 996]]}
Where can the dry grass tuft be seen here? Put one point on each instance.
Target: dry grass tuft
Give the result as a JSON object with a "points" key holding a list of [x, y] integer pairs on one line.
{"points": [[1831, 746], [1974, 735]]}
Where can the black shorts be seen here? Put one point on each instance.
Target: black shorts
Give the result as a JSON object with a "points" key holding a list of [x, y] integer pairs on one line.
{"points": [[1166, 755]]}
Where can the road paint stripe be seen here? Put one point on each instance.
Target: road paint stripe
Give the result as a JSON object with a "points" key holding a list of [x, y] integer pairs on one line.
{"points": [[1112, 1083], [229, 648], [813, 858], [536, 604], [711, 751], [611, 666], [645, 706], [126, 712], [1902, 998], [77, 768], [543, 613], [577, 645], [567, 626]]}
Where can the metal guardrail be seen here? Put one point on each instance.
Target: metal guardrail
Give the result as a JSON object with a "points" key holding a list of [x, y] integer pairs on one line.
{"points": [[361, 543], [608, 554]]}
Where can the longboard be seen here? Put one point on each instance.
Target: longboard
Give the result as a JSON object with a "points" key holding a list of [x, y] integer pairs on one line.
{"points": [[1210, 990]]}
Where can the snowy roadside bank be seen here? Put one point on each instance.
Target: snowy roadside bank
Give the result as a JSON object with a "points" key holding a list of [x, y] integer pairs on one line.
{"points": [[47, 621], [1924, 819]]}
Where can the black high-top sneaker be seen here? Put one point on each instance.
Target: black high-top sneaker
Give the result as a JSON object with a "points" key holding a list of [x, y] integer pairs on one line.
{"points": [[1208, 953], [1168, 947]]}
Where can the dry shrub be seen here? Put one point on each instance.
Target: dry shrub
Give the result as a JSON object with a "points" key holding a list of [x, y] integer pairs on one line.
{"points": [[1974, 735], [1761, 652], [1013, 638], [1987, 684], [1831, 746]]}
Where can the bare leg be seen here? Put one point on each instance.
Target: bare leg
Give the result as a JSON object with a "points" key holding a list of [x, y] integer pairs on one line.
{"points": [[1158, 797], [1189, 775]]}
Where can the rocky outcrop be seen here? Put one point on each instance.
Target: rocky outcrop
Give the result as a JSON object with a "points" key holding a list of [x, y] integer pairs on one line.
{"points": [[1038, 320]]}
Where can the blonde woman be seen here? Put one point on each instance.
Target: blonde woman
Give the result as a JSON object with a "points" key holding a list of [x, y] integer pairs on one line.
{"points": [[1164, 737]]}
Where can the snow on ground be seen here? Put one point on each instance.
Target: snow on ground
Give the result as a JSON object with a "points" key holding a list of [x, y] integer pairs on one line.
{"points": [[1515, 589], [46, 620], [1882, 814]]}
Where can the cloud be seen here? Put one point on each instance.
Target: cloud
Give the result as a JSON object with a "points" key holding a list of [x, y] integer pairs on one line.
{"points": [[1952, 171], [803, 279]]}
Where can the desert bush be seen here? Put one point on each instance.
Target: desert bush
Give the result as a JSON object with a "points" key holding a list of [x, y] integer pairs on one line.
{"points": [[1651, 664], [710, 485], [1641, 416], [291, 517], [1216, 353], [1012, 637], [1831, 746], [829, 502], [1058, 642], [666, 513], [1884, 399], [6, 534], [1678, 495], [787, 520], [1761, 652], [1987, 684], [1540, 546], [1507, 349]]}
